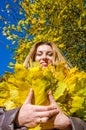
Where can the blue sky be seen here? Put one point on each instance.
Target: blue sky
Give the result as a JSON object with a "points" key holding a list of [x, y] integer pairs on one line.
{"points": [[11, 17], [5, 56]]}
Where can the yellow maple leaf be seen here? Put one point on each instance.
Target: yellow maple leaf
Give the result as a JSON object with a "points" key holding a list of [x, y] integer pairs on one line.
{"points": [[7, 6]]}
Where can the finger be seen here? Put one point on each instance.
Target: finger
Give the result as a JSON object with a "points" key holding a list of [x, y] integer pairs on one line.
{"points": [[44, 108], [30, 97], [42, 119], [48, 114], [51, 99]]}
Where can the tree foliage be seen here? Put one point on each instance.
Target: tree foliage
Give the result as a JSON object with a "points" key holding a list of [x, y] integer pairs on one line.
{"points": [[59, 21], [67, 85]]}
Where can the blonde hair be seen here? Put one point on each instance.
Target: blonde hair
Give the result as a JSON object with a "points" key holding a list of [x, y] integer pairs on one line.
{"points": [[57, 54]]}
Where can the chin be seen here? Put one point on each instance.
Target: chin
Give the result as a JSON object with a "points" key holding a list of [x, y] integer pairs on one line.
{"points": [[44, 66]]}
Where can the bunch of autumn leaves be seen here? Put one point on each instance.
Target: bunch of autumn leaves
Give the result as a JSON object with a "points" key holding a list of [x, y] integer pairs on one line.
{"points": [[68, 87]]}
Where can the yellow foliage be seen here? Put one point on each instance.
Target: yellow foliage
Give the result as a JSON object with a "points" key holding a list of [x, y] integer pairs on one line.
{"points": [[42, 21], [13, 27], [14, 0], [7, 46], [62, 22], [4, 28], [68, 87], [61, 45], [34, 21], [7, 6]]}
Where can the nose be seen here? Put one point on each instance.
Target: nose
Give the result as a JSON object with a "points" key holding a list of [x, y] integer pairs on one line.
{"points": [[44, 56]]}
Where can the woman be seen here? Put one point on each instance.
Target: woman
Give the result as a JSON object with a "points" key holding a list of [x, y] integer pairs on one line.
{"points": [[29, 115]]}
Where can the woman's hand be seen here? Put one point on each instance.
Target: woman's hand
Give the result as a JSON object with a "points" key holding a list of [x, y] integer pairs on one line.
{"points": [[31, 115], [59, 120]]}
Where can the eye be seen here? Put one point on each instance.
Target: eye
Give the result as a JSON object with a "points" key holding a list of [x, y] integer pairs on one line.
{"points": [[38, 54], [50, 53]]}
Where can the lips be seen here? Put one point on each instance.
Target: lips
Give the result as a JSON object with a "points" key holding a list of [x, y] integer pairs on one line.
{"points": [[44, 64]]}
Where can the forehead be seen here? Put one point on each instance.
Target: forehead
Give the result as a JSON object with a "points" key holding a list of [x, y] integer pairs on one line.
{"points": [[44, 48]]}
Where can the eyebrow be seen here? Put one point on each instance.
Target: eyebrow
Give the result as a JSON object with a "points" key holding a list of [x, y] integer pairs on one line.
{"points": [[47, 51]]}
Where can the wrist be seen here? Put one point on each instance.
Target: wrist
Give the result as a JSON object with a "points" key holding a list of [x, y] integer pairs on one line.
{"points": [[16, 121], [64, 123], [68, 125]]}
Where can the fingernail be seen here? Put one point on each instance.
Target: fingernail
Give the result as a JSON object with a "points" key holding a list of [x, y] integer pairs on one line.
{"points": [[50, 92]]}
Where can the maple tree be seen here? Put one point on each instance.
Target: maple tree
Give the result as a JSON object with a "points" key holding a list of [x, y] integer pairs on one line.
{"points": [[59, 21]]}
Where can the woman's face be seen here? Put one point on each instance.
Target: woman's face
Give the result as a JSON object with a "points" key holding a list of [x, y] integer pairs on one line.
{"points": [[44, 54]]}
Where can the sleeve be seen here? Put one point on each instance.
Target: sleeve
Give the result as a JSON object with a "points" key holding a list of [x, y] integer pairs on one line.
{"points": [[78, 124], [7, 119]]}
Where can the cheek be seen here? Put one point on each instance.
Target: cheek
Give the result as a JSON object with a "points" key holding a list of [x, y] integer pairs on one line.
{"points": [[37, 58], [51, 60]]}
